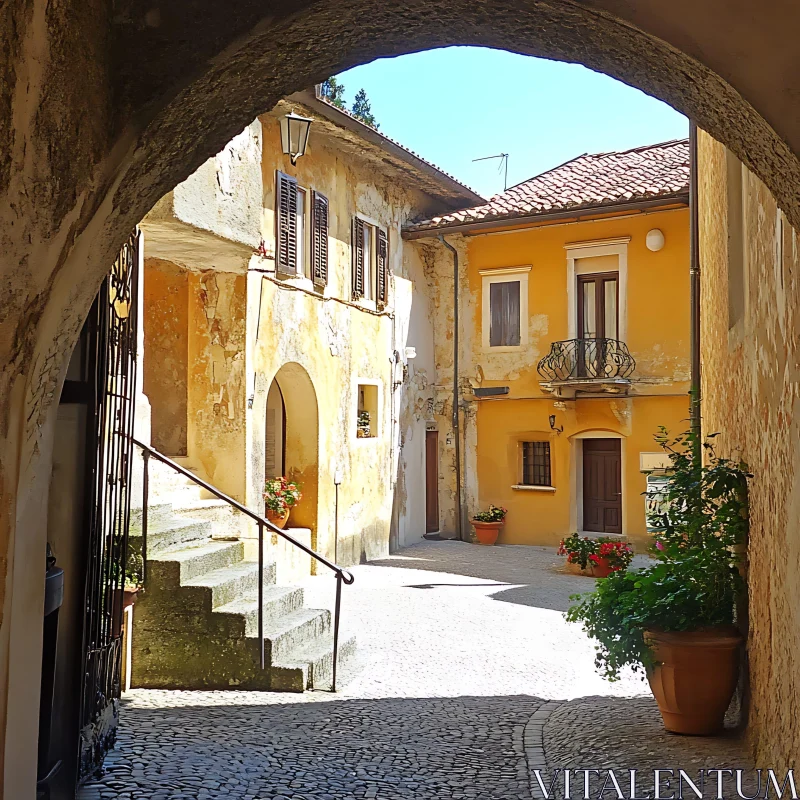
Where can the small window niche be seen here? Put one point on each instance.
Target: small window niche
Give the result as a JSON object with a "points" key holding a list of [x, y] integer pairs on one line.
{"points": [[367, 416]]}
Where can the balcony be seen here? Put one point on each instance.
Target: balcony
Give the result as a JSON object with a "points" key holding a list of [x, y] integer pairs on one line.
{"points": [[593, 366]]}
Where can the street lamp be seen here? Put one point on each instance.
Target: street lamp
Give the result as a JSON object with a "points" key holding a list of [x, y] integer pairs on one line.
{"points": [[294, 135]]}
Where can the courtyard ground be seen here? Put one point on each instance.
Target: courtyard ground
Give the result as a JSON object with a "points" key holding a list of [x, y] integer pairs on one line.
{"points": [[469, 678]]}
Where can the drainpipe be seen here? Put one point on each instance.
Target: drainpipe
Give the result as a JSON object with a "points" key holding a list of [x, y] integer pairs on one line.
{"points": [[694, 274], [456, 431]]}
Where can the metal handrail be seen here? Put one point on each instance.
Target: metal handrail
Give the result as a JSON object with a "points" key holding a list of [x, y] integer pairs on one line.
{"points": [[341, 574], [581, 359]]}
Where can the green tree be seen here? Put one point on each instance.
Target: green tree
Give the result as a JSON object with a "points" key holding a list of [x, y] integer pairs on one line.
{"points": [[333, 92], [362, 110]]}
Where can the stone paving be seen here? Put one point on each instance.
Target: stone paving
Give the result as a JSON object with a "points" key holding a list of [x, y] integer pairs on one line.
{"points": [[466, 667]]}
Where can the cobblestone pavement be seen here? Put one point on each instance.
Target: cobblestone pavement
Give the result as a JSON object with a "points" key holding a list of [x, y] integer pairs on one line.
{"points": [[623, 734], [465, 659]]}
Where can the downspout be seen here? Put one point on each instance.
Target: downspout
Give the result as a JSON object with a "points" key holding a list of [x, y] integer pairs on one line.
{"points": [[694, 276], [456, 426]]}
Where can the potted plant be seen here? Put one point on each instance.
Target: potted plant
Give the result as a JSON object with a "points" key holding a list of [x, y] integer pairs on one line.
{"points": [[363, 430], [674, 620], [126, 595], [598, 557], [610, 555], [488, 524], [280, 496]]}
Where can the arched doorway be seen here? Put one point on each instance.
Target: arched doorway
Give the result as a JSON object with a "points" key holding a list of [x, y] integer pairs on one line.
{"points": [[291, 441]]}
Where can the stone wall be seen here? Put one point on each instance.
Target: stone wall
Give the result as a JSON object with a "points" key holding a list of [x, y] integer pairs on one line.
{"points": [[751, 396]]}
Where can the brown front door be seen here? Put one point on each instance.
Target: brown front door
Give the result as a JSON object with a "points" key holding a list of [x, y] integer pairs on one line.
{"points": [[602, 485], [431, 481]]}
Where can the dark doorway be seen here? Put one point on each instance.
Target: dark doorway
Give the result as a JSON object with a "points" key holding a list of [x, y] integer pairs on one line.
{"points": [[602, 485], [431, 481]]}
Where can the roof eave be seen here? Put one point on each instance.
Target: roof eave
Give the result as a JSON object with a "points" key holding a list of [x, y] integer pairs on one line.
{"points": [[576, 214], [312, 100]]}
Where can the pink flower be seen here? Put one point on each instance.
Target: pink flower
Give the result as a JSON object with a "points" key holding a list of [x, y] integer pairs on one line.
{"points": [[660, 545]]}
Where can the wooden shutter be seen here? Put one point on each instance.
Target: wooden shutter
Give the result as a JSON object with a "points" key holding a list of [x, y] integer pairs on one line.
{"points": [[319, 239], [286, 224], [358, 259], [383, 268]]}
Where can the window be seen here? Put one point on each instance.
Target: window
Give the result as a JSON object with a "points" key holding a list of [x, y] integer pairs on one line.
{"points": [[505, 308], [367, 412], [504, 324], [536, 464], [293, 207], [370, 262]]}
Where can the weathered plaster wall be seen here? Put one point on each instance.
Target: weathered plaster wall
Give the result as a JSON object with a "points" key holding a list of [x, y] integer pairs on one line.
{"points": [[751, 396], [657, 315], [166, 359], [217, 391]]}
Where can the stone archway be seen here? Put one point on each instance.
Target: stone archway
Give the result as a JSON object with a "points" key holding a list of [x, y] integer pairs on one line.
{"points": [[101, 115]]}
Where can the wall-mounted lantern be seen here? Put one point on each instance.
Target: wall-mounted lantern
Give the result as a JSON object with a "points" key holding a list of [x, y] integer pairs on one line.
{"points": [[294, 135], [553, 425]]}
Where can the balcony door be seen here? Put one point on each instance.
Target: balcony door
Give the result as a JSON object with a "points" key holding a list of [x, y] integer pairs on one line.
{"points": [[598, 320]]}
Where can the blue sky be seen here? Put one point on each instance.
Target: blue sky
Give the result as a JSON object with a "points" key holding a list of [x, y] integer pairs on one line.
{"points": [[459, 103]]}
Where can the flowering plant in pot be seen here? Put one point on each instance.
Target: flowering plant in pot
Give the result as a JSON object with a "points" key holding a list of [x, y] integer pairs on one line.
{"points": [[611, 555], [488, 523], [599, 556], [280, 496], [674, 620]]}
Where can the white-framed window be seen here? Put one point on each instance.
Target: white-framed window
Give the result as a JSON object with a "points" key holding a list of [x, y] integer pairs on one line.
{"points": [[504, 317], [367, 409]]}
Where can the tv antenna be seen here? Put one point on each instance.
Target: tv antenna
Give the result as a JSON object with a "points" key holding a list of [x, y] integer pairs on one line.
{"points": [[503, 165]]}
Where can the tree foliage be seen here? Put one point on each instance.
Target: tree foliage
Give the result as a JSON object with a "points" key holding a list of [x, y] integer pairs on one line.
{"points": [[361, 109], [333, 92]]}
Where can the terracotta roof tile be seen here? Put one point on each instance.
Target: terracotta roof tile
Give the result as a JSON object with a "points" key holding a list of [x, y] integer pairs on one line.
{"points": [[644, 173]]}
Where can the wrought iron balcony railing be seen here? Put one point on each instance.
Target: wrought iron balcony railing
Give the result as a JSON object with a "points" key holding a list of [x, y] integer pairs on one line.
{"points": [[586, 359]]}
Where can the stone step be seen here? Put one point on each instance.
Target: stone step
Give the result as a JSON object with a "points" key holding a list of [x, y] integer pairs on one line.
{"points": [[158, 511], [223, 586], [296, 630], [170, 534], [310, 666], [243, 613], [176, 567]]}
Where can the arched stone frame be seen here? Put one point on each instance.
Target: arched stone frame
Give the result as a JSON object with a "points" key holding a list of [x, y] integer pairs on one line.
{"points": [[101, 158], [576, 477], [301, 440]]}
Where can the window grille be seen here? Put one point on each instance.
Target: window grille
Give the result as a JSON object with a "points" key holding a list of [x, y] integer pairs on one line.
{"points": [[536, 464]]}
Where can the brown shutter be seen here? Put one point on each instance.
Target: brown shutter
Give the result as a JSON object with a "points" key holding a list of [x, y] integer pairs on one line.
{"points": [[286, 224], [319, 239], [358, 259], [383, 268]]}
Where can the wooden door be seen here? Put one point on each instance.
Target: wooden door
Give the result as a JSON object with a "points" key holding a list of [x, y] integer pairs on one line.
{"points": [[602, 485], [431, 481]]}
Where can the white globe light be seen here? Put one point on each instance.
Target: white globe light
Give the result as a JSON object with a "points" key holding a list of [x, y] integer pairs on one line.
{"points": [[655, 240]]}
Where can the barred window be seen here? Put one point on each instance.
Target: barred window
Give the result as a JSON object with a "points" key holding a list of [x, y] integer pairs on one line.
{"points": [[536, 464]]}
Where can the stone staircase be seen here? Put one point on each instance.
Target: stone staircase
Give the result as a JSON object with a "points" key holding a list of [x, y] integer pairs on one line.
{"points": [[196, 625]]}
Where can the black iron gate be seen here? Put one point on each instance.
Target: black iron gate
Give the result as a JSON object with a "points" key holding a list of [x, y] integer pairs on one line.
{"points": [[112, 334]]}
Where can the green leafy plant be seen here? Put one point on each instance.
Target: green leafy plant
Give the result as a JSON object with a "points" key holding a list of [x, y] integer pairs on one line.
{"points": [[362, 109], [694, 583], [281, 494], [492, 514]]}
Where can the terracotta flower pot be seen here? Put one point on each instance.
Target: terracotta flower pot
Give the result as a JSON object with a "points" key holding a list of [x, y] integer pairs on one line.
{"points": [[695, 677], [278, 519], [487, 532], [575, 568], [601, 568]]}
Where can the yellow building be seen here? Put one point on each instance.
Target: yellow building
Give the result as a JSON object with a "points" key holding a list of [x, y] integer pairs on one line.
{"points": [[573, 342]]}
